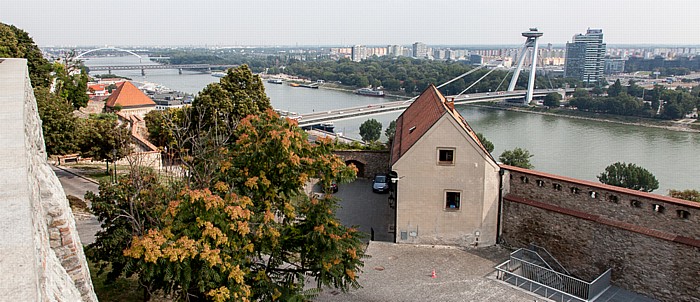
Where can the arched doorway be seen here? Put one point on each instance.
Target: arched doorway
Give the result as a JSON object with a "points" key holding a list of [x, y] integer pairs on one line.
{"points": [[360, 167]]}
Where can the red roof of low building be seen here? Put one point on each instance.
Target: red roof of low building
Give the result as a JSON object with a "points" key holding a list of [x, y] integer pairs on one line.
{"points": [[127, 95], [97, 87], [418, 118]]}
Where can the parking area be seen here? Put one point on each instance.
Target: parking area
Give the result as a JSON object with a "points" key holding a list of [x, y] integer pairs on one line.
{"points": [[370, 211]]}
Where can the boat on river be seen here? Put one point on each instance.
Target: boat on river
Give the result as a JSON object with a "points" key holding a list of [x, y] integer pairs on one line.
{"points": [[370, 92], [275, 81], [218, 74]]}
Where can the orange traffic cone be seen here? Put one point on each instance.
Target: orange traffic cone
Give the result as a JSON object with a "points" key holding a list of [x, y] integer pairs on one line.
{"points": [[433, 275]]}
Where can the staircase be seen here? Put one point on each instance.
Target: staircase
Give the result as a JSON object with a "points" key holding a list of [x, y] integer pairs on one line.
{"points": [[536, 270]]}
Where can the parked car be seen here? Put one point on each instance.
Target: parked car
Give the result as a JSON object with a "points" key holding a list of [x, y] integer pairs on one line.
{"points": [[333, 187], [380, 184]]}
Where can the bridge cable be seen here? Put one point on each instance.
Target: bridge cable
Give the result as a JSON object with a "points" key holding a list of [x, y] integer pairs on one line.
{"points": [[503, 80], [545, 72], [477, 81], [462, 75]]}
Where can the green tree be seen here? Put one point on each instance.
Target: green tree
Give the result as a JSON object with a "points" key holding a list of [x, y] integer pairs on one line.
{"points": [[390, 131], [692, 195], [552, 100], [127, 209], [629, 176], [615, 89], [103, 138], [370, 130], [485, 142], [221, 105], [16, 43], [61, 128], [253, 233], [517, 157]]}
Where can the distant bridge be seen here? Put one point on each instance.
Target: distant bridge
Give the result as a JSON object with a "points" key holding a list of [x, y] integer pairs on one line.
{"points": [[143, 67], [108, 48], [310, 119]]}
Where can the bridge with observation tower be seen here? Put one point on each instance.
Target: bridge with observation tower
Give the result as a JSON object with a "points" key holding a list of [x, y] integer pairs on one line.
{"points": [[510, 95]]}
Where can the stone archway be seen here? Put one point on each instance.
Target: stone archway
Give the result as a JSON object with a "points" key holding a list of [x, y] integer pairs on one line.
{"points": [[360, 167]]}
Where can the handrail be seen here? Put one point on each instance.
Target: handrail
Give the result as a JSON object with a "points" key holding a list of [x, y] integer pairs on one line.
{"points": [[500, 269], [563, 283], [538, 248]]}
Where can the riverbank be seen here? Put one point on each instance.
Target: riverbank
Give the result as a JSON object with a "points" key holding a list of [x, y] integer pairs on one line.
{"points": [[623, 120]]}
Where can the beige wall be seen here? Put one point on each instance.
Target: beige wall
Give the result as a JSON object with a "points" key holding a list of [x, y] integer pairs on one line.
{"points": [[421, 211]]}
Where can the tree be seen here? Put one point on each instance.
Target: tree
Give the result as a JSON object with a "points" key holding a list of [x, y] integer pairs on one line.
{"points": [[629, 176], [390, 131], [127, 209], [370, 130], [552, 99], [221, 105], [488, 145], [241, 227], [615, 89], [517, 157], [253, 233], [103, 138], [58, 123], [692, 195]]}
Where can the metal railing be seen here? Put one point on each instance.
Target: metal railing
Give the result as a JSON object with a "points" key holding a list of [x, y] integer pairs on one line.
{"points": [[552, 262], [548, 282]]}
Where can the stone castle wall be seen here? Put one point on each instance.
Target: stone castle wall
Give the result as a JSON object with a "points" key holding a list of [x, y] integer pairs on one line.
{"points": [[370, 162], [43, 258], [651, 242]]}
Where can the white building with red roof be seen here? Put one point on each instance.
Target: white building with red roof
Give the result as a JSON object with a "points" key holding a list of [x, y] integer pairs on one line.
{"points": [[446, 183]]}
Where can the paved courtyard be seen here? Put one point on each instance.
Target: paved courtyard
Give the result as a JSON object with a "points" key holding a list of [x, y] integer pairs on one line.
{"points": [[360, 206], [398, 272]]}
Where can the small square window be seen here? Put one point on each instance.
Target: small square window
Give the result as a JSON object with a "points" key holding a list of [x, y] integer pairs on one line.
{"points": [[446, 156], [452, 200]]}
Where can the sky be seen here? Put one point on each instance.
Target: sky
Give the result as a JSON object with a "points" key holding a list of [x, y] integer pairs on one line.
{"points": [[341, 22]]}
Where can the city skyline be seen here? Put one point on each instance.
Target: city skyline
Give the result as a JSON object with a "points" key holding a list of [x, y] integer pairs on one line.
{"points": [[311, 22]]}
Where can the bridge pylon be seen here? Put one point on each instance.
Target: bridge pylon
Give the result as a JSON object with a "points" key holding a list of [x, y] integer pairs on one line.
{"points": [[530, 42]]}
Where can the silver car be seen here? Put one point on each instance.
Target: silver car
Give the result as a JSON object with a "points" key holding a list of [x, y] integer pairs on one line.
{"points": [[380, 184]]}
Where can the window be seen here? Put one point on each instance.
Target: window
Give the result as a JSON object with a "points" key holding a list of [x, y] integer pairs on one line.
{"points": [[446, 156], [540, 183], [524, 179], [658, 208], [683, 214], [636, 204], [452, 200], [556, 187], [593, 194], [575, 190], [613, 199]]}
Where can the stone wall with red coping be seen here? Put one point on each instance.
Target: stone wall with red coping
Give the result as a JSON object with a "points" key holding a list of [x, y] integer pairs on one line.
{"points": [[651, 242]]}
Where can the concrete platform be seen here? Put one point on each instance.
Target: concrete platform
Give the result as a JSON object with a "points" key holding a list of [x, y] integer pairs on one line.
{"points": [[397, 272]]}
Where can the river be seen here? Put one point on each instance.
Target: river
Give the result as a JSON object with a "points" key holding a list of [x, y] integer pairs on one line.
{"points": [[565, 146]]}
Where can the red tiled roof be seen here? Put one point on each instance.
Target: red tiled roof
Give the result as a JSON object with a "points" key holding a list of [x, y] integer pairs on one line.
{"points": [[96, 87], [127, 95], [423, 113]]}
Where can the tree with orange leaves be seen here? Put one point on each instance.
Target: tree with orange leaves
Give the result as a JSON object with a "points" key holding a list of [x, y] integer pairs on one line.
{"points": [[242, 228]]}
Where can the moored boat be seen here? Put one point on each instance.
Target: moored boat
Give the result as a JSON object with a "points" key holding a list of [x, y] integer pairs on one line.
{"points": [[275, 81], [370, 92]]}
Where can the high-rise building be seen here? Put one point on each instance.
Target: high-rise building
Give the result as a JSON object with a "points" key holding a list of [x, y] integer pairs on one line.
{"points": [[359, 53], [395, 50], [585, 56], [420, 50]]}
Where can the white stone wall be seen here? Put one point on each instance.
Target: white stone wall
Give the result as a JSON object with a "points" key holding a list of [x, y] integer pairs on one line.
{"points": [[42, 257]]}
